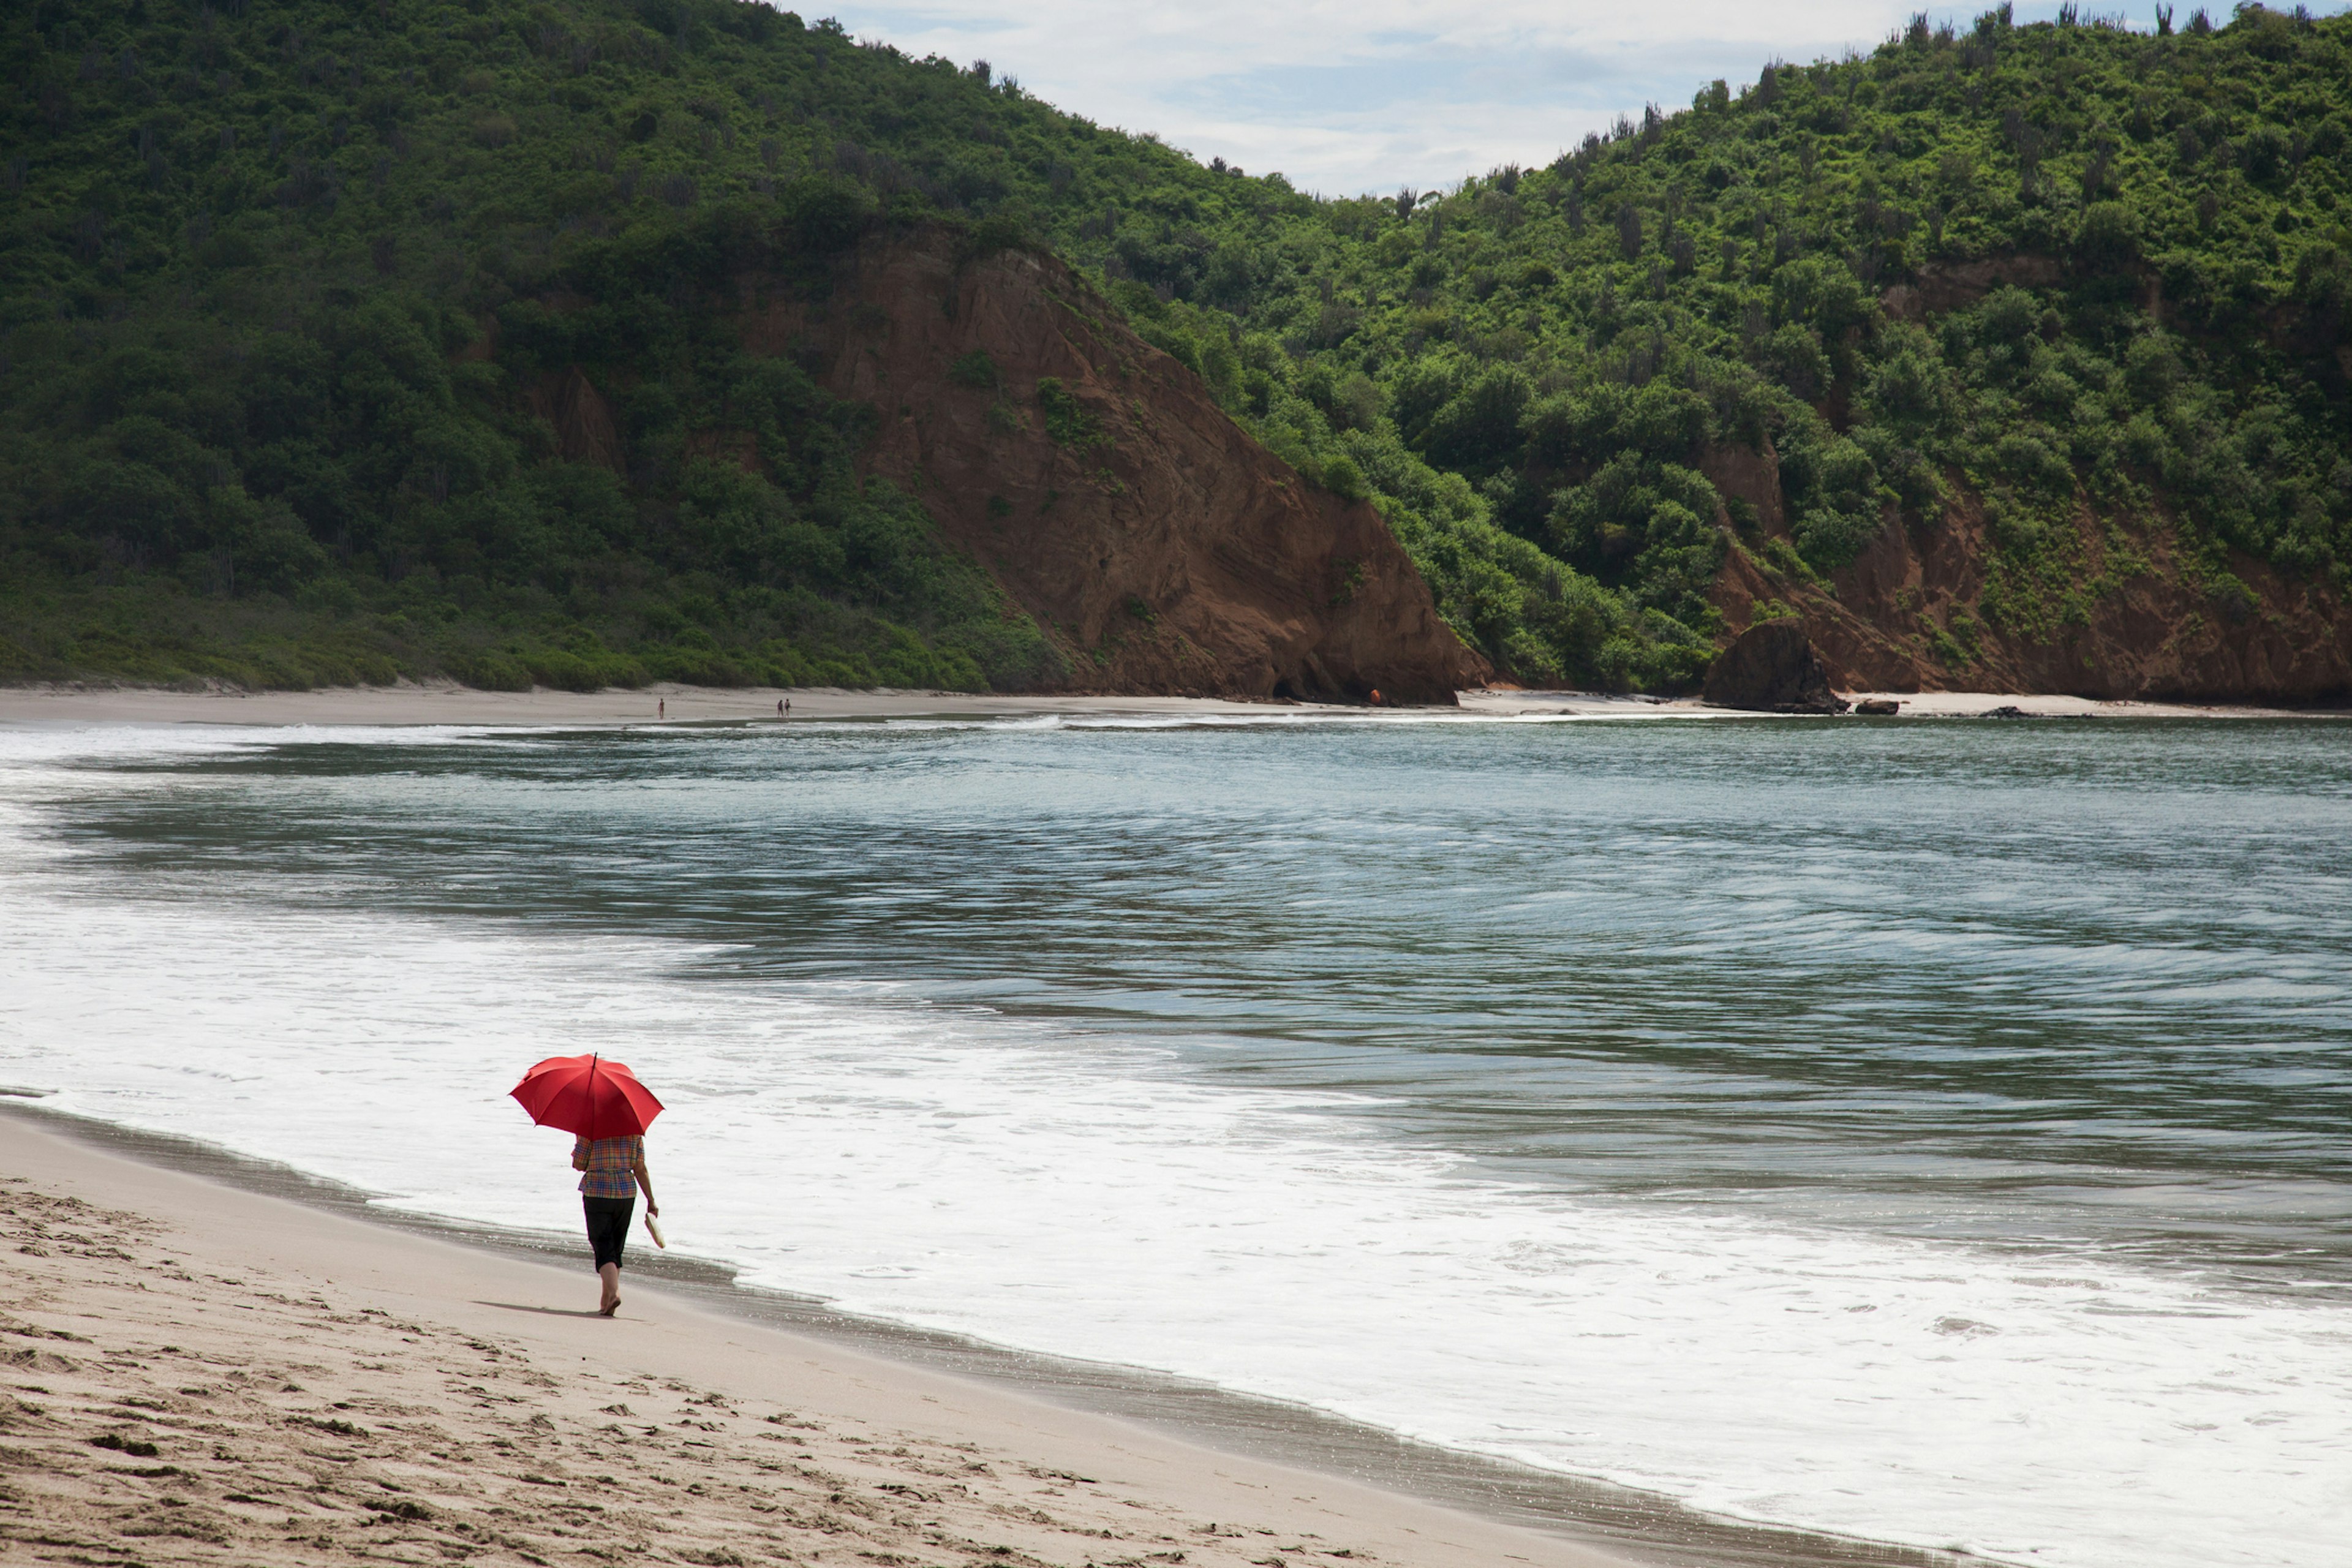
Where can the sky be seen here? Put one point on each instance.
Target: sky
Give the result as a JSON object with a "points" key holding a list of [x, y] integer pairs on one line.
{"points": [[1344, 96]]}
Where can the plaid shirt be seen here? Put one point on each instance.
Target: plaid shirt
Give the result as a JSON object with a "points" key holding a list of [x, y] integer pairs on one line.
{"points": [[609, 1161]]}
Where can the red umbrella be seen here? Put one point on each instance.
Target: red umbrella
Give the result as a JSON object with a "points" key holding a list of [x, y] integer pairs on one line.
{"points": [[588, 1096]]}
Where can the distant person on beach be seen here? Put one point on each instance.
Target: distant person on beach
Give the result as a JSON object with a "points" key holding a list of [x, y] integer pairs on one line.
{"points": [[612, 1170], [661, 707], [780, 707]]}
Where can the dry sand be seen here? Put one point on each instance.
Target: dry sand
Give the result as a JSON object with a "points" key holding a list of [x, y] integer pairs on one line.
{"points": [[442, 704], [437, 704], [1977, 704], [193, 1373], [1911, 705]]}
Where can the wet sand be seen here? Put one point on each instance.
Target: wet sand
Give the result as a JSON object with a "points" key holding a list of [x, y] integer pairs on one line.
{"points": [[316, 1373], [193, 1373]]}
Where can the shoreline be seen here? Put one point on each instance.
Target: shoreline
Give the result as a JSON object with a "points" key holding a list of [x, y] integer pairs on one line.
{"points": [[1516, 1512], [437, 704]]}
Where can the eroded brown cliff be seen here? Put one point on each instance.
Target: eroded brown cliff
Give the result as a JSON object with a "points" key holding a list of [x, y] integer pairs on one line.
{"points": [[1101, 483], [1924, 609], [1927, 606]]}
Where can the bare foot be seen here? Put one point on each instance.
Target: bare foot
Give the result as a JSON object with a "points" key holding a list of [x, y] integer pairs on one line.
{"points": [[609, 1308]]}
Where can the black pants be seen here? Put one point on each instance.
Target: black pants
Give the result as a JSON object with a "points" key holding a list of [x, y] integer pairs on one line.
{"points": [[608, 1226]]}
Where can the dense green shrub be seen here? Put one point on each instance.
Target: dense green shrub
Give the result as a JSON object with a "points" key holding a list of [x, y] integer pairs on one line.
{"points": [[280, 303], [1729, 276], [287, 309]]}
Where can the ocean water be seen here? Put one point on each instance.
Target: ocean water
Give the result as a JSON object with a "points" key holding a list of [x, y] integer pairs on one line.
{"points": [[1936, 1132]]}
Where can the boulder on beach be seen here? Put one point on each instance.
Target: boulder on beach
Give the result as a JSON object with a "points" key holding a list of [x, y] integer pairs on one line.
{"points": [[1772, 668]]}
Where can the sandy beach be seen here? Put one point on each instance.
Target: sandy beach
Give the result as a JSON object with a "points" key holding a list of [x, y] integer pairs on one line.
{"points": [[447, 704], [200, 1374]]}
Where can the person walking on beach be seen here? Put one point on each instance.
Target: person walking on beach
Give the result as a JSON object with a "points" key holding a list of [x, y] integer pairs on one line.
{"points": [[612, 1170]]}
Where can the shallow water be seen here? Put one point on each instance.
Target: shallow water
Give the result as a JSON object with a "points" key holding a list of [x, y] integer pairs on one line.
{"points": [[1929, 1131]]}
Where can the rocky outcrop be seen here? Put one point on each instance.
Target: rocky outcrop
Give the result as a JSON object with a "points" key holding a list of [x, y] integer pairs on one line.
{"points": [[1098, 480], [1926, 607], [1770, 667]]}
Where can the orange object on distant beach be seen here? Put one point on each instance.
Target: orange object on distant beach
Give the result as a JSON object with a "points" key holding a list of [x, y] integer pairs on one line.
{"points": [[588, 1096]]}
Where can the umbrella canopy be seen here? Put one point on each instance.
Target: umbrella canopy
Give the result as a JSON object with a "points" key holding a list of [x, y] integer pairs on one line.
{"points": [[588, 1096]]}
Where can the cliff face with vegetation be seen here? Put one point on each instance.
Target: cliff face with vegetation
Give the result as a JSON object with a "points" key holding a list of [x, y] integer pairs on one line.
{"points": [[797, 426], [344, 341], [2008, 357], [1100, 484], [2137, 614]]}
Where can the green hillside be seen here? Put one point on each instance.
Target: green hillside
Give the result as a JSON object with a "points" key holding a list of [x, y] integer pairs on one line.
{"points": [[274, 283], [275, 276], [1546, 350]]}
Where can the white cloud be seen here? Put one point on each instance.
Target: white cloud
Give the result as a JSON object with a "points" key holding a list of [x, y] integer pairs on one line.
{"points": [[1372, 94]]}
